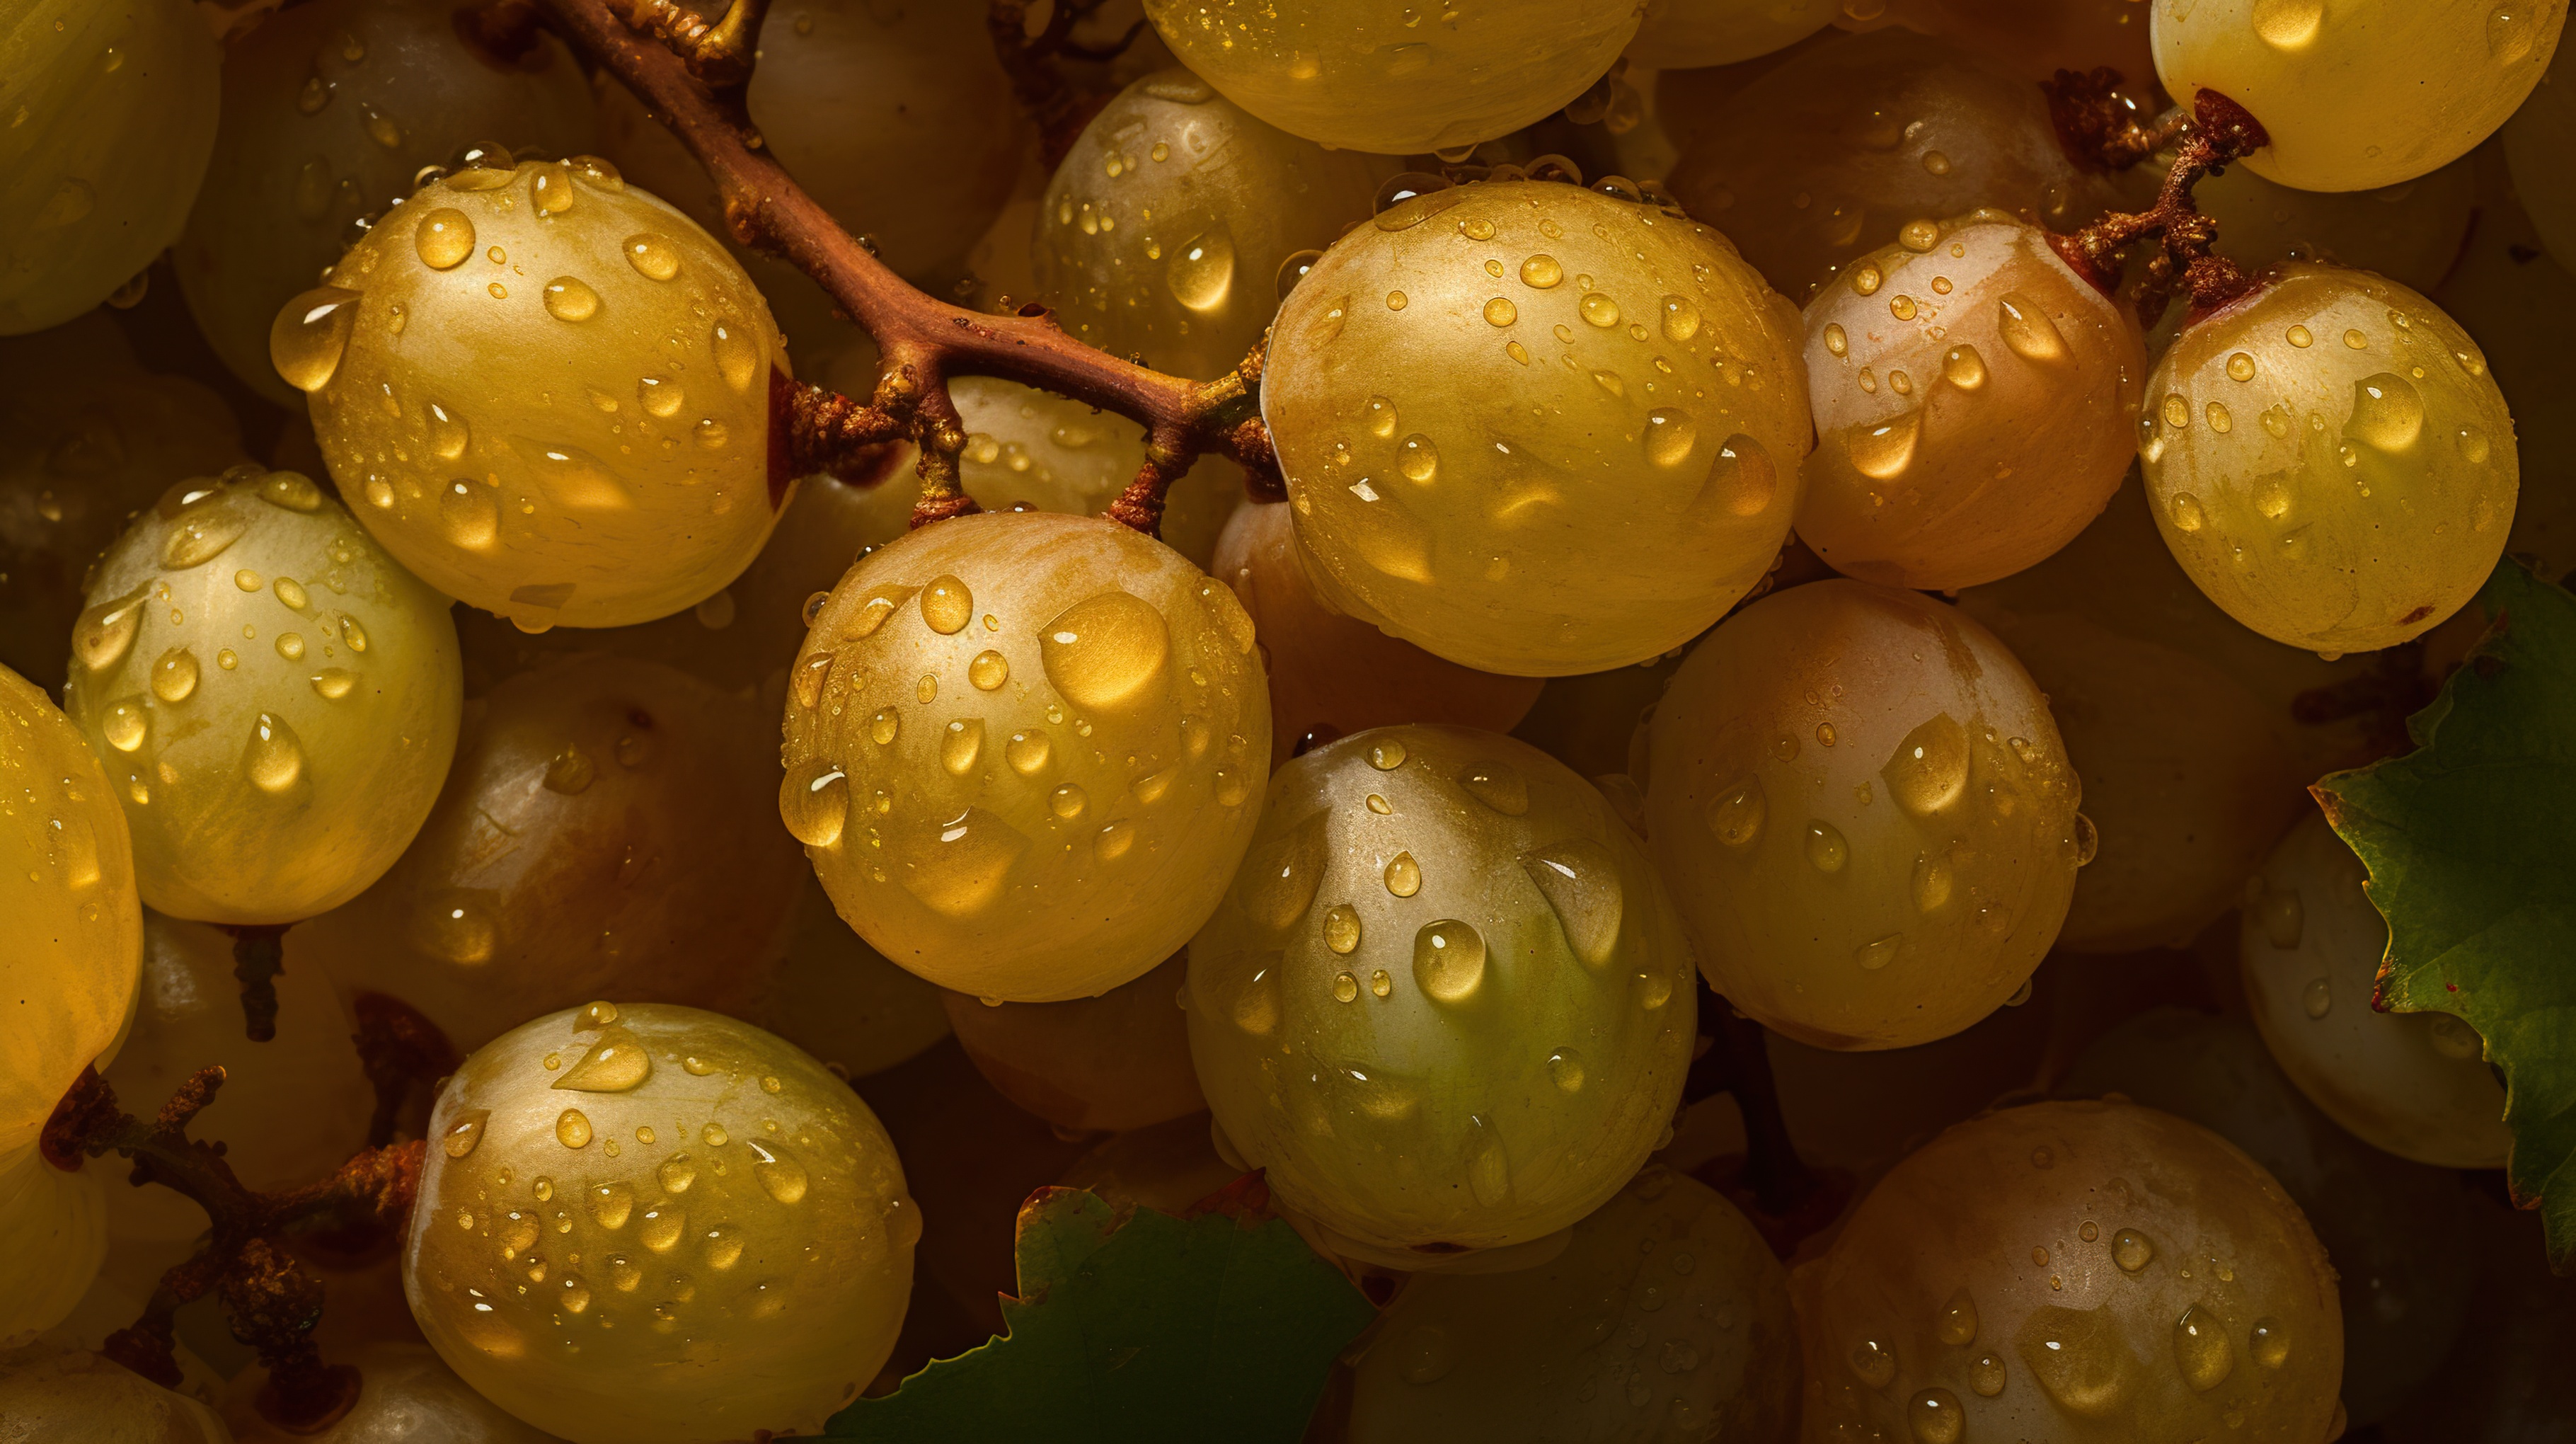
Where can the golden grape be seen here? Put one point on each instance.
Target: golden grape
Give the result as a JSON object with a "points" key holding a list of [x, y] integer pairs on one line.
{"points": [[1689, 34], [646, 1224], [1088, 1065], [840, 1000], [2035, 38], [1861, 803], [1035, 448], [274, 700], [2409, 232], [404, 1389], [56, 1224], [56, 1393], [1537, 429], [1025, 752]]}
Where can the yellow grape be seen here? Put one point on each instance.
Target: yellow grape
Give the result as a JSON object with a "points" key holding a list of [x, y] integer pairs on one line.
{"points": [[1666, 1318], [274, 700], [840, 1000], [1105, 1064], [1862, 805], [2362, 93], [2330, 460], [1447, 1004], [1030, 447], [2036, 38], [2415, 1084], [1974, 402], [606, 829], [2072, 1270], [405, 1393], [646, 1224], [1357, 75], [56, 1224], [1025, 752], [111, 107], [1690, 34], [57, 1393], [1330, 674], [75, 932], [2409, 232], [1536, 429], [2510, 293], [546, 392]]}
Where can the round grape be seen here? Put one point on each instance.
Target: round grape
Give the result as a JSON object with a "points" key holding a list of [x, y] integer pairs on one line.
{"points": [[647, 1224], [1862, 805], [2517, 299], [2416, 1084], [840, 1000], [406, 1395], [1089, 1065], [2536, 143], [2093, 1270], [1447, 1004], [546, 392], [1975, 402], [2409, 232], [56, 1224], [2330, 460], [1025, 752], [1169, 1166], [1026, 447], [2034, 38], [274, 700], [53, 1393], [1689, 34], [1536, 429]]}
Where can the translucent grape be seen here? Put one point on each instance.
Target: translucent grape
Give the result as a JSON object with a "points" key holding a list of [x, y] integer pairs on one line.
{"points": [[2073, 1269], [1332, 675], [2358, 96], [648, 1224], [111, 114], [840, 1000], [587, 444], [1688, 34], [273, 699], [1363, 76], [1490, 988], [1569, 441], [608, 829], [1975, 402], [1862, 805], [2416, 1084], [56, 1224], [1030, 447], [405, 1393], [75, 934], [53, 1394], [329, 112], [2330, 460], [2409, 232], [1666, 1318], [1026, 779], [1111, 1063]]}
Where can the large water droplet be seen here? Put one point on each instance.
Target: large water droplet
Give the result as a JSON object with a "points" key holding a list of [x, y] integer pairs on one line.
{"points": [[1200, 272], [1671, 437], [947, 606], [1106, 651], [174, 677], [662, 1226], [2387, 412], [965, 865], [572, 1128], [814, 802], [570, 298], [780, 1176], [2269, 1343], [611, 1204], [1279, 880], [1958, 1321], [1403, 875], [2078, 1357], [652, 257], [273, 759], [2028, 330], [310, 335], [466, 1132], [2201, 1349], [1825, 846], [1933, 1417], [961, 745], [737, 353], [617, 1063], [1735, 814], [1883, 452], [1489, 1169], [1580, 880], [1929, 770], [2288, 24], [1449, 960], [444, 238], [200, 535], [1427, 1354]]}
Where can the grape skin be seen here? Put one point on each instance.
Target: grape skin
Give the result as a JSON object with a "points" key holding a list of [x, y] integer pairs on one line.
{"points": [[406, 1395], [2409, 232], [2512, 294], [1692, 34], [57, 1393], [1088, 1065], [56, 1224], [1026, 447], [840, 1000]]}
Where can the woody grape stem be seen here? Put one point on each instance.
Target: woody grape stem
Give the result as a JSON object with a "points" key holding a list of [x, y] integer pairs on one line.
{"points": [[2221, 132]]}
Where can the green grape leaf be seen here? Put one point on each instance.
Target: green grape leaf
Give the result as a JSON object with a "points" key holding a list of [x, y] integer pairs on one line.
{"points": [[2471, 845], [1136, 1328]]}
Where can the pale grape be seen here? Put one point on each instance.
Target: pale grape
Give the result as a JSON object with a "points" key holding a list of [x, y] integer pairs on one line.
{"points": [[2415, 1084], [840, 1000], [406, 1395], [1975, 401], [2364, 93], [1863, 806], [1358, 75], [1035, 448], [1088, 1065], [52, 1393], [73, 948], [2330, 460], [1025, 752], [647, 1224], [2409, 232], [56, 1224], [1330, 674], [1690, 34], [274, 700], [643, 858], [111, 108], [547, 393], [1487, 986], [1536, 429], [2094, 1270]]}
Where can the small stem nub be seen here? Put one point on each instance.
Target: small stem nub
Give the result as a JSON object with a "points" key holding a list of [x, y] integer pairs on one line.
{"points": [[259, 955], [2221, 132]]}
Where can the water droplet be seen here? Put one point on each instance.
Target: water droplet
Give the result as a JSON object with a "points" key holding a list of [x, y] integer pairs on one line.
{"points": [[651, 256], [570, 298], [2288, 24], [1599, 309], [310, 335], [1279, 881], [2269, 1343], [2301, 337], [2387, 413], [1489, 1171], [677, 1172], [273, 759], [1825, 846], [1929, 770], [961, 745], [2028, 330], [1986, 1376], [617, 1063], [466, 1132], [1027, 752], [2185, 511], [1874, 1363], [662, 1226], [947, 606], [780, 1176], [1449, 960], [988, 671], [1342, 928], [572, 1130], [884, 725], [1200, 273], [1934, 1417], [1386, 756], [1418, 459], [738, 359], [1580, 880], [124, 725], [2201, 1349], [1958, 1321], [1542, 272], [2131, 1250], [1735, 815], [611, 1204], [1106, 652], [2282, 917], [444, 238], [2078, 1358], [1884, 451], [1256, 1005], [333, 683], [1403, 875], [1873, 956], [1681, 318], [174, 677]]}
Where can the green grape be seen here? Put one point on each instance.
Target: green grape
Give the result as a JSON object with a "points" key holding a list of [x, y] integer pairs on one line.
{"points": [[2330, 461], [2510, 294], [273, 698], [1025, 752], [1030, 447], [2402, 1303], [1975, 402], [1447, 1004], [2409, 232], [2035, 38], [2360, 94], [1690, 34], [549, 392], [1861, 803], [840, 1000], [2072, 1270], [57, 1230], [73, 947], [606, 829], [56, 1394], [111, 108], [1332, 675], [2183, 774], [1169, 1166], [329, 112], [1665, 1319], [653, 1225], [406, 1395], [1536, 429], [1164, 226], [1831, 153], [1861, 1112], [2415, 1084], [1362, 76], [1088, 1065]]}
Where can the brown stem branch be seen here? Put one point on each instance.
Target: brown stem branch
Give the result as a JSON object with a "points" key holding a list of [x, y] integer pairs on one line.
{"points": [[2101, 128], [404, 1055], [1059, 108], [259, 955], [2221, 132]]}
